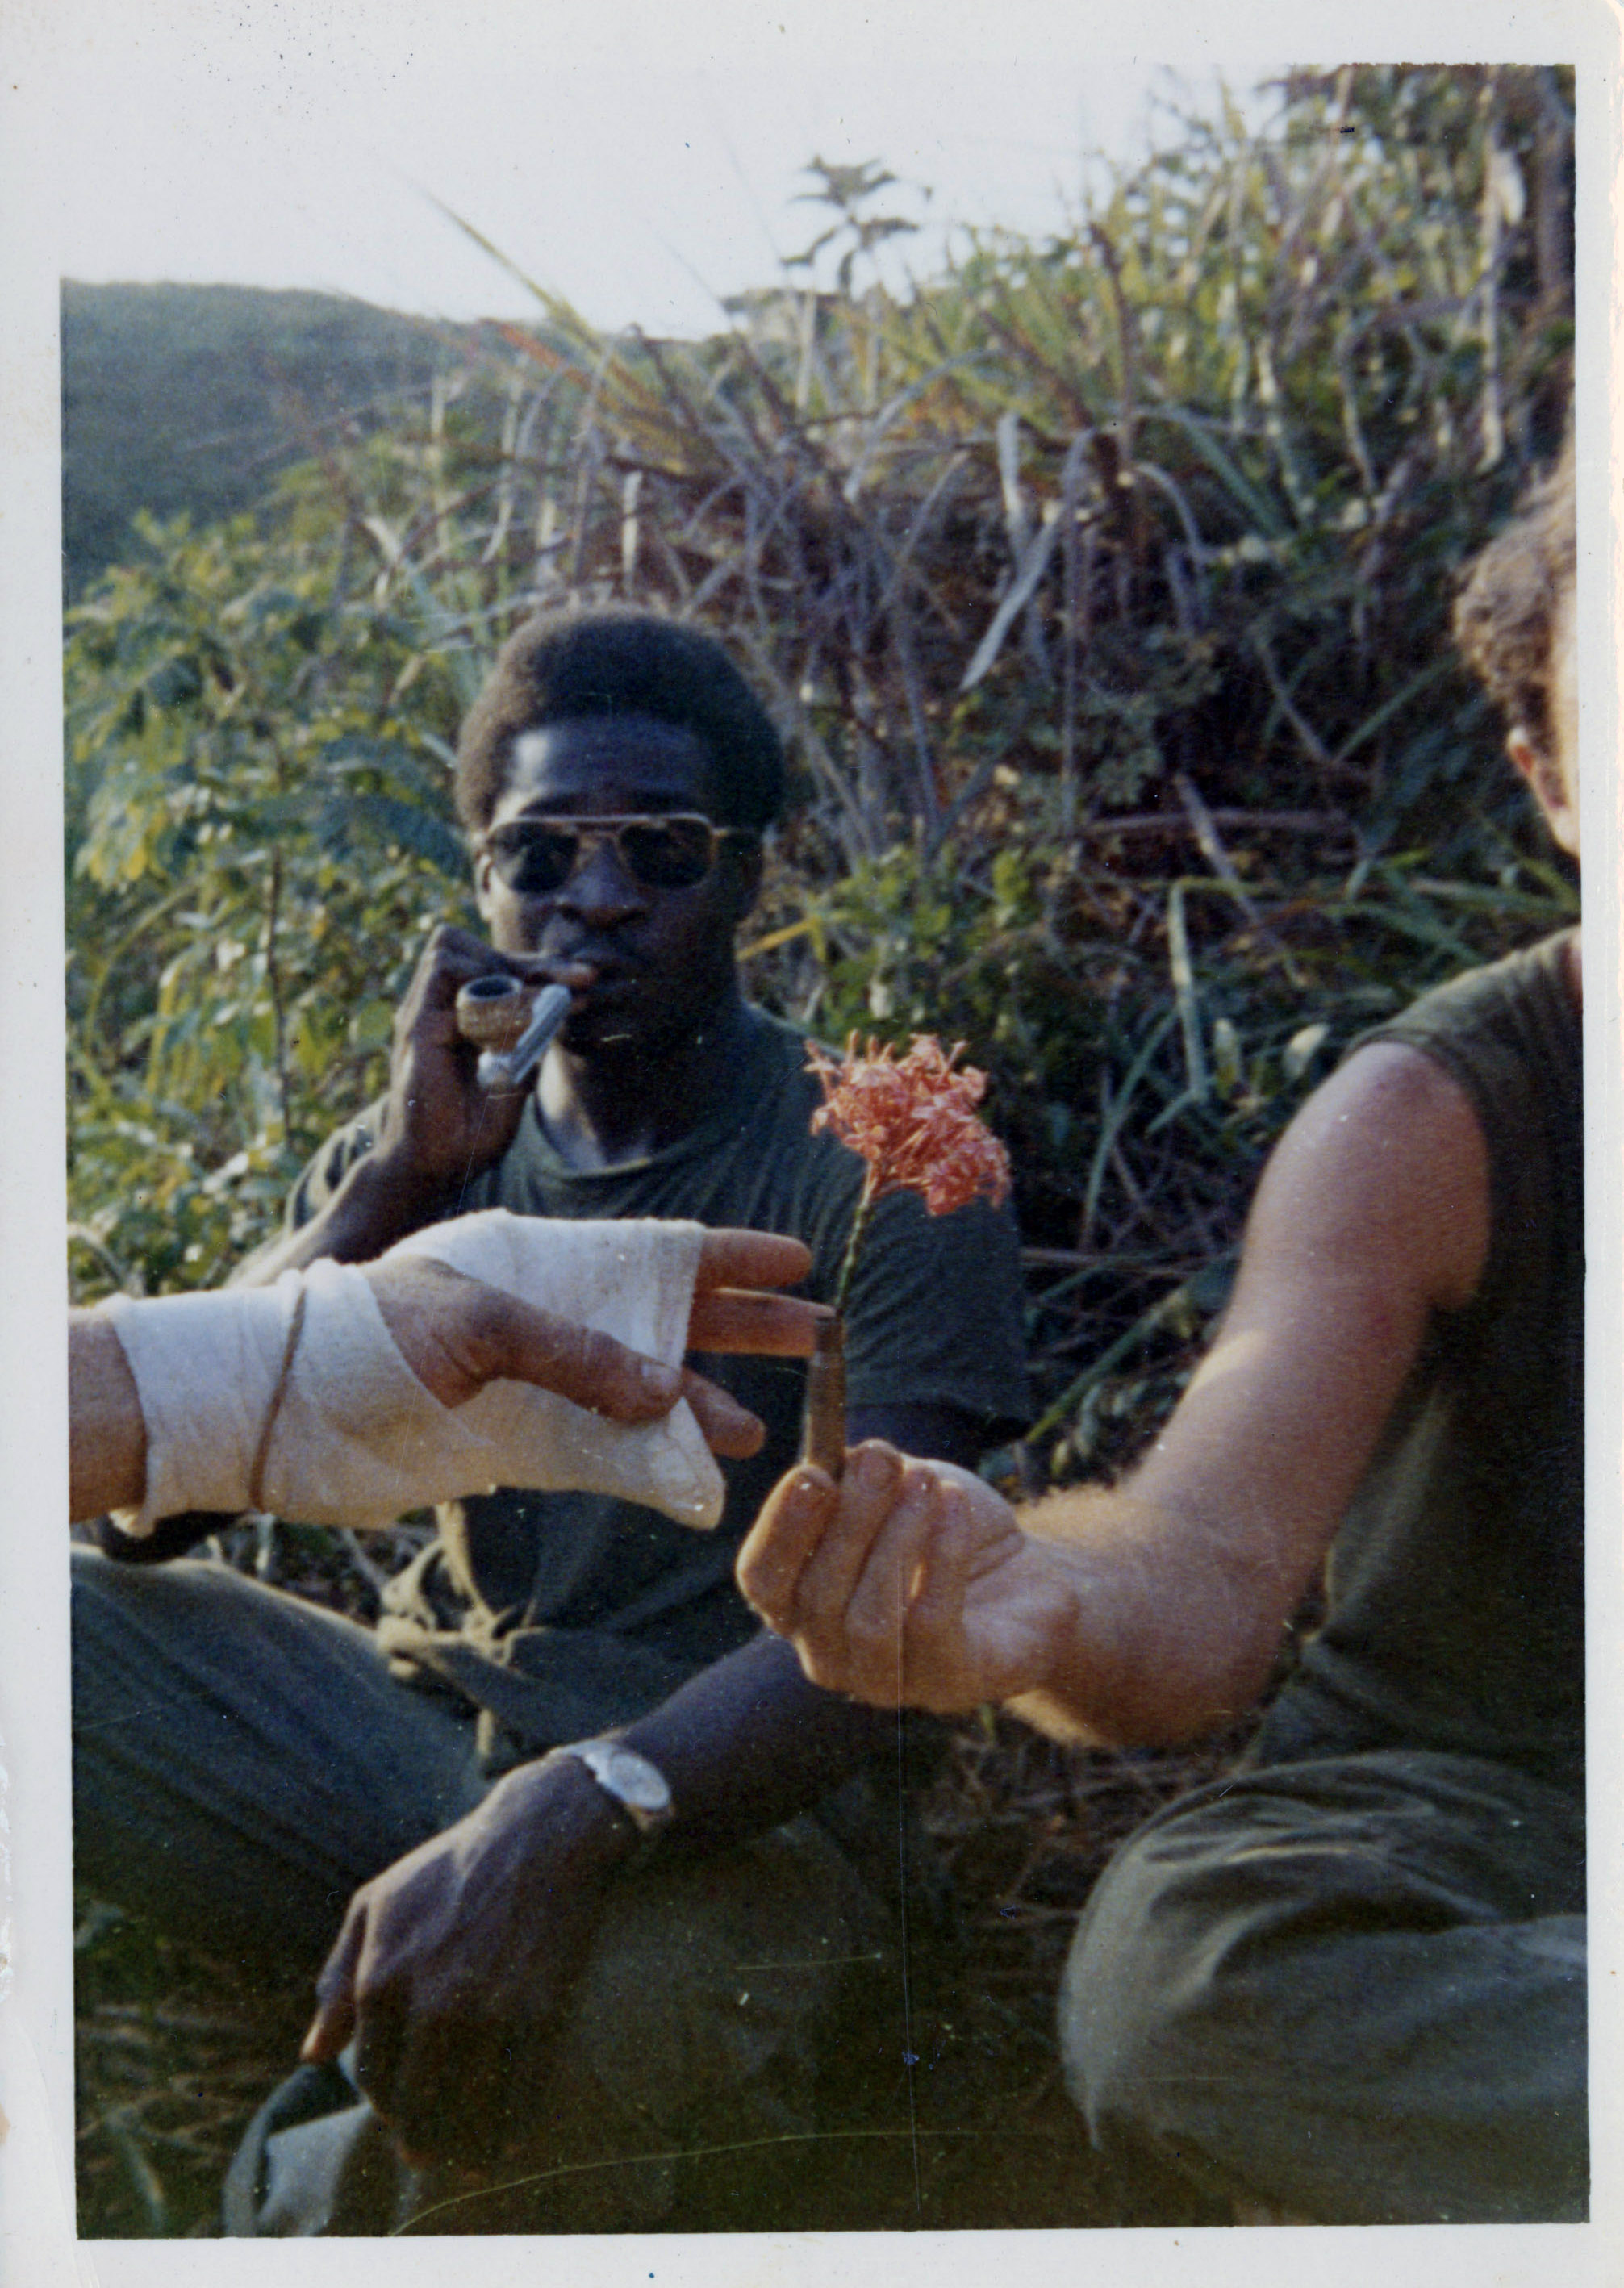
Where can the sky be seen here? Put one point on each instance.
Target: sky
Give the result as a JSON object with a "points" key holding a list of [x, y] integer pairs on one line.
{"points": [[643, 164]]}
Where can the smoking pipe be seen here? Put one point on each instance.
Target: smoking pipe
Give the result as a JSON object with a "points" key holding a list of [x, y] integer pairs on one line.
{"points": [[509, 1022]]}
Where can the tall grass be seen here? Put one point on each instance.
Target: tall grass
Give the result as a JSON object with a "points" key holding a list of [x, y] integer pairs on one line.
{"points": [[1101, 585]]}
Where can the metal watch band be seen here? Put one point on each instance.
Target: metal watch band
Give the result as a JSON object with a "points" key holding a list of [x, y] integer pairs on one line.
{"points": [[638, 1786]]}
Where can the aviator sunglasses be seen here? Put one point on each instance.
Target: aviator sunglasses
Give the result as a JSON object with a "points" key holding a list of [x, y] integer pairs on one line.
{"points": [[671, 850]]}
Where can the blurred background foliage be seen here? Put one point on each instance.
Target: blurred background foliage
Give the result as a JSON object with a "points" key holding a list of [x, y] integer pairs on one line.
{"points": [[1101, 586]]}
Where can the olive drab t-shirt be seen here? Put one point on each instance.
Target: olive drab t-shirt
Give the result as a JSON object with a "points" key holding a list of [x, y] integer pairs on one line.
{"points": [[1456, 1581], [935, 1317]]}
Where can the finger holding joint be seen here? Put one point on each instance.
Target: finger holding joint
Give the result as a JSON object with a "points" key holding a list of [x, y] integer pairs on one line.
{"points": [[777, 1549], [878, 1616], [867, 1492]]}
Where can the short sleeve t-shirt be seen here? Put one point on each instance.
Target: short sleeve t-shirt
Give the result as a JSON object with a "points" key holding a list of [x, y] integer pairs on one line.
{"points": [[934, 1318]]}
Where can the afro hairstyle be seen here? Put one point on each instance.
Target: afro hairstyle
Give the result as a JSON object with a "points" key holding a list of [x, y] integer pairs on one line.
{"points": [[563, 667]]}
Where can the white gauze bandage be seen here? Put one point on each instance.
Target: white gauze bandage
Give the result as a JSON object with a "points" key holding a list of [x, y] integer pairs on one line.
{"points": [[356, 1438]]}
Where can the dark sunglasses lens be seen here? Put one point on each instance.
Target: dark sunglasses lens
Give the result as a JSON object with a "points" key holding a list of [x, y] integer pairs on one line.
{"points": [[672, 853], [534, 860]]}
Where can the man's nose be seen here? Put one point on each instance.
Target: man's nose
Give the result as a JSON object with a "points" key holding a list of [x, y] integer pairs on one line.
{"points": [[600, 885]]}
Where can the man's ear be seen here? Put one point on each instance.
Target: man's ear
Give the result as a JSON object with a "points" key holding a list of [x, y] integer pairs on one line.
{"points": [[481, 884], [1542, 774], [747, 878]]}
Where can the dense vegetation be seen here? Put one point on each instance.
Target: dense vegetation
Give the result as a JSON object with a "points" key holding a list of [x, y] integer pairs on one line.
{"points": [[1101, 585]]}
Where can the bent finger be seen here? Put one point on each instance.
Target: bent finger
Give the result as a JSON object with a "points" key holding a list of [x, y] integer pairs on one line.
{"points": [[935, 1661], [869, 1488], [874, 1627], [579, 1363], [335, 2011], [380, 2032], [451, 959], [730, 1429]]}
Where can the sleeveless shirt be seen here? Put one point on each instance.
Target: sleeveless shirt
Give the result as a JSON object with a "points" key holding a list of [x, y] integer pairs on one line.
{"points": [[1455, 1588]]}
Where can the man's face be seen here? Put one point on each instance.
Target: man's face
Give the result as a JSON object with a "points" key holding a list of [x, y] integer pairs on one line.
{"points": [[644, 964], [1553, 773]]}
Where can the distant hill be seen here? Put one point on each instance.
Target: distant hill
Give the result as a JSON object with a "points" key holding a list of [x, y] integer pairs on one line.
{"points": [[191, 397]]}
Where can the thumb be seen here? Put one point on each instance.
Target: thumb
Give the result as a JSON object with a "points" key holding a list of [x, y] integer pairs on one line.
{"points": [[335, 2016]]}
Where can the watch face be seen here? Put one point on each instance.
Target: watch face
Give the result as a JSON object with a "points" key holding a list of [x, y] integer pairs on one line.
{"points": [[634, 1780]]}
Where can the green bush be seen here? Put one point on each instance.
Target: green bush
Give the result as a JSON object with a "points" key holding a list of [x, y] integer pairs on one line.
{"points": [[1102, 586]]}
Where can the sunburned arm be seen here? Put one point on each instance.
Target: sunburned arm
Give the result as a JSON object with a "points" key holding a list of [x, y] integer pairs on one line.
{"points": [[107, 1435], [1152, 1611]]}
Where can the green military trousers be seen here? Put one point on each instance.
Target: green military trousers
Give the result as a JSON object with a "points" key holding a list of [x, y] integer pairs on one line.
{"points": [[244, 1762], [1350, 1987]]}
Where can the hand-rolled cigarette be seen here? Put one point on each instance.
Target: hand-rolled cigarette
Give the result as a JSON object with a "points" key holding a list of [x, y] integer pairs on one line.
{"points": [[822, 1430], [510, 1024]]}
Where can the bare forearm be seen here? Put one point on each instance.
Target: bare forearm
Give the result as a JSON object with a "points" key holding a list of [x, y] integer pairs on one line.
{"points": [[107, 1437], [749, 1742], [1096, 1616], [1174, 1628]]}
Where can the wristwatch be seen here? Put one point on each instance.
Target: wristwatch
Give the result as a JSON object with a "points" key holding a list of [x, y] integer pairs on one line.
{"points": [[638, 1786]]}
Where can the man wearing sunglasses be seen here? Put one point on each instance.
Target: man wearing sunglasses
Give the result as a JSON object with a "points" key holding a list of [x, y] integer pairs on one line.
{"points": [[632, 1943]]}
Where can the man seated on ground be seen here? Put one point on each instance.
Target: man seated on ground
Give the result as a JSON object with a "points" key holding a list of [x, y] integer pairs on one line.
{"points": [[519, 1979], [1346, 1983]]}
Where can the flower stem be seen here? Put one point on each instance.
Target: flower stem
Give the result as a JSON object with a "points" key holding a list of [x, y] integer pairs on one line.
{"points": [[859, 1231]]}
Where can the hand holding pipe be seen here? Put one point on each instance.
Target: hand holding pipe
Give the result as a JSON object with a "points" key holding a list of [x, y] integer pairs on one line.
{"points": [[510, 1024]]}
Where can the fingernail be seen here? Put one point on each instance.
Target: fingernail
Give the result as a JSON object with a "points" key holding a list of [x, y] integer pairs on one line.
{"points": [[660, 1381], [874, 1466]]}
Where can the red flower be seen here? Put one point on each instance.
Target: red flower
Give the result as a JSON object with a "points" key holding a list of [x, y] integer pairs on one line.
{"points": [[913, 1120]]}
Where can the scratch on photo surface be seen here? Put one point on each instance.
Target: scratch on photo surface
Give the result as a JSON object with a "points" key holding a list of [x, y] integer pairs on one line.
{"points": [[813, 1961], [674, 2153], [910, 2059]]}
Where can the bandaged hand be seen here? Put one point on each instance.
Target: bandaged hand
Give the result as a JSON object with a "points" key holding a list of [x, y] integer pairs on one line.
{"points": [[345, 1395]]}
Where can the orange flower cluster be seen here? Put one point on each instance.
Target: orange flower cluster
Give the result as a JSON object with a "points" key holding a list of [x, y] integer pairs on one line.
{"points": [[914, 1120]]}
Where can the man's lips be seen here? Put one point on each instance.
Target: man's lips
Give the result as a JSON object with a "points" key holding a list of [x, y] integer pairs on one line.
{"points": [[586, 975]]}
